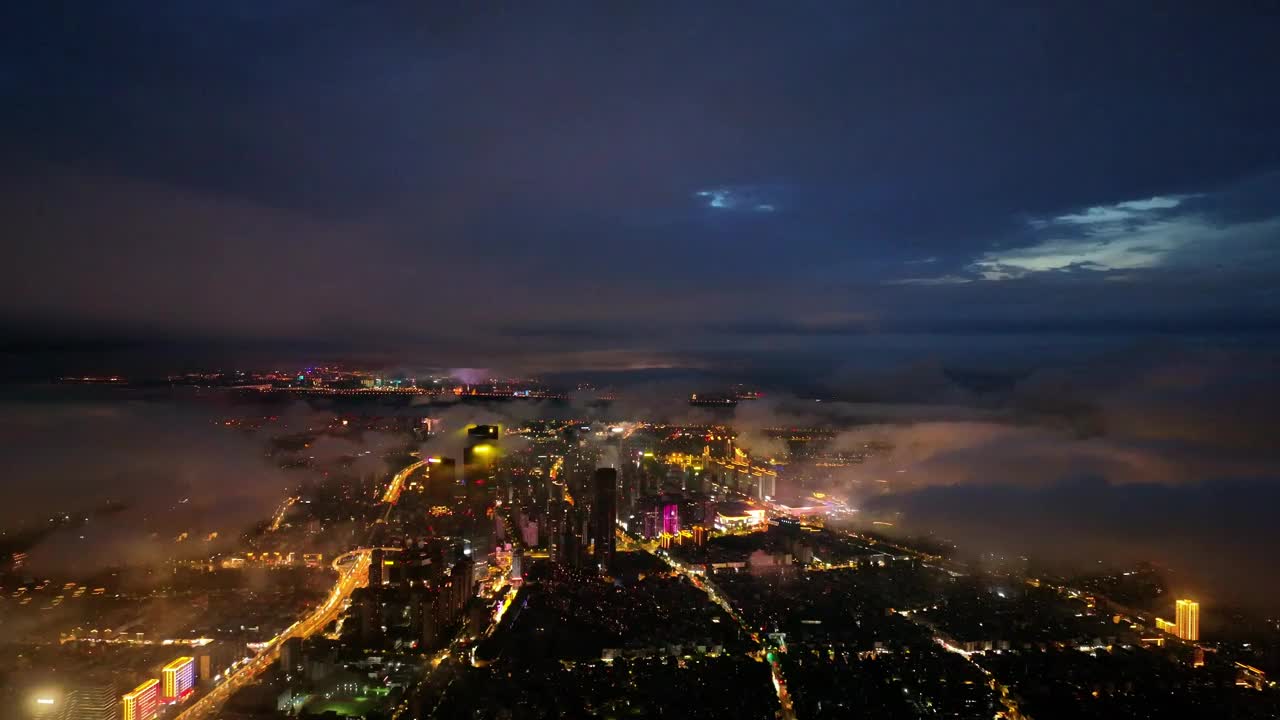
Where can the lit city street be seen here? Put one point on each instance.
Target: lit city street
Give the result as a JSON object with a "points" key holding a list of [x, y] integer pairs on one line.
{"points": [[352, 571], [779, 682], [396, 485]]}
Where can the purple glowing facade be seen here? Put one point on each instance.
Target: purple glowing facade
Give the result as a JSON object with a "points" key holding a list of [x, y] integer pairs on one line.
{"points": [[659, 516], [671, 518]]}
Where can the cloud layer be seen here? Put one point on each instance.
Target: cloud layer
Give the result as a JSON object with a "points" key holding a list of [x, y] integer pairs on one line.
{"points": [[163, 468], [1138, 457], [675, 185]]}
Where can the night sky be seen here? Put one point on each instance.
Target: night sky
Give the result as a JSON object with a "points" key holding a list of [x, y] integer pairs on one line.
{"points": [[552, 186]]}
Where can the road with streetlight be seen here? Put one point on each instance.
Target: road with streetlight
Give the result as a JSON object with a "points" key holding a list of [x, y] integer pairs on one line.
{"points": [[353, 572], [701, 582]]}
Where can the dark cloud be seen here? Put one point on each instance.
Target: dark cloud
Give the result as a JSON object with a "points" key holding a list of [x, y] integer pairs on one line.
{"points": [[398, 179], [1215, 536]]}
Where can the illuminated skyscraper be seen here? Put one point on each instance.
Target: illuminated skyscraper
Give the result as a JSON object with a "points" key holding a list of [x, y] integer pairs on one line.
{"points": [[1188, 620], [671, 518], [179, 678], [481, 444], [660, 515], [479, 463], [143, 702]]}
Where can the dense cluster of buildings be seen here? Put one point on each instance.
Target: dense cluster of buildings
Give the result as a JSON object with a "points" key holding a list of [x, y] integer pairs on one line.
{"points": [[97, 696], [647, 570], [177, 681], [414, 596]]}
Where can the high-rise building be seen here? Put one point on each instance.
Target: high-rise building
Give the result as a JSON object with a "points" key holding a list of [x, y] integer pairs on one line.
{"points": [[376, 568], [481, 444], [671, 518], [143, 702], [604, 513], [47, 705], [660, 515], [650, 521], [94, 701], [699, 536], [1188, 619], [428, 617], [292, 663], [573, 534], [531, 528], [179, 678], [369, 615], [555, 531], [767, 486], [213, 659], [479, 463], [516, 575], [442, 475], [463, 577]]}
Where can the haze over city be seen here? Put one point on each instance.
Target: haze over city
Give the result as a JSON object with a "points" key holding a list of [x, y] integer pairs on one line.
{"points": [[395, 360]]}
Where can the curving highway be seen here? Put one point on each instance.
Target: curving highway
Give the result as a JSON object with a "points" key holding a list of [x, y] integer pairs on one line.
{"points": [[353, 572], [397, 482], [284, 508]]}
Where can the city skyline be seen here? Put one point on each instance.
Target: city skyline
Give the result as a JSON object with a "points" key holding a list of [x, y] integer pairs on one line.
{"points": [[398, 360]]}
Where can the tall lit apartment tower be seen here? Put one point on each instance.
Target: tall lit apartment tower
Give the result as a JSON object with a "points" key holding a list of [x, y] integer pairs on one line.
{"points": [[604, 516], [1188, 619], [671, 518], [143, 703], [179, 678]]}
